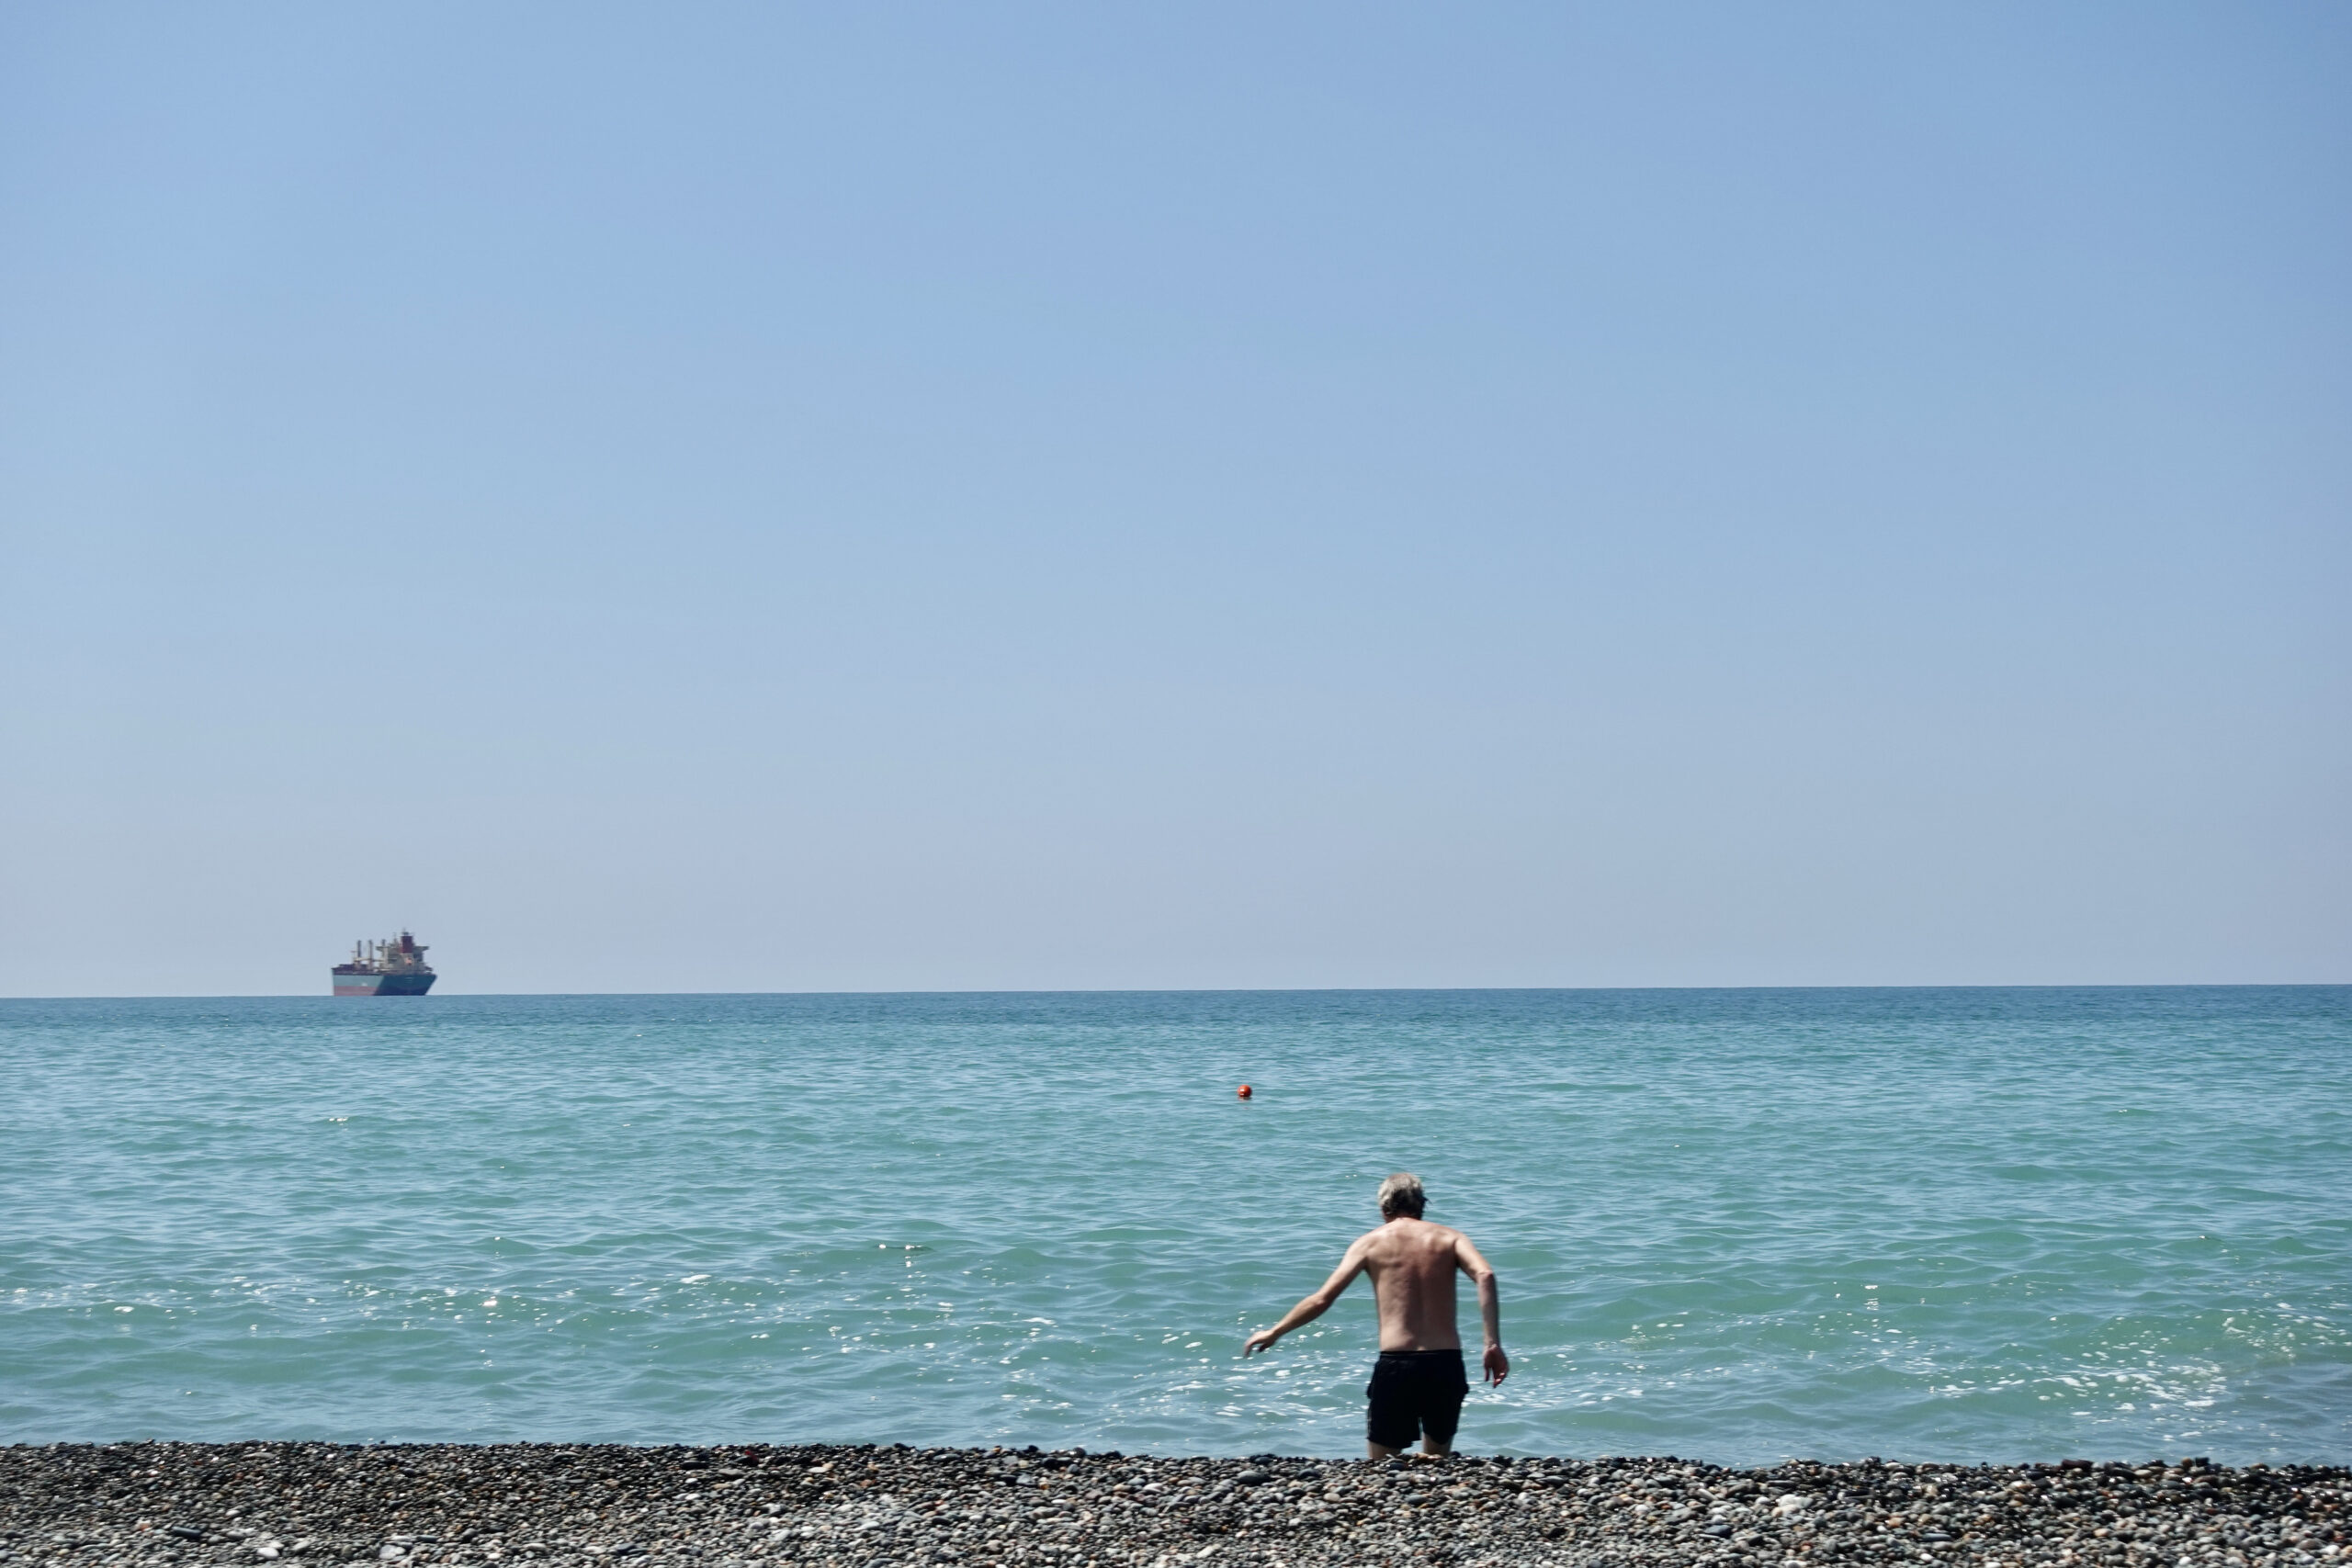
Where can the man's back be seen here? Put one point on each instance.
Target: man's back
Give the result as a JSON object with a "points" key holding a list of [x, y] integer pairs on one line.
{"points": [[1413, 1264]]}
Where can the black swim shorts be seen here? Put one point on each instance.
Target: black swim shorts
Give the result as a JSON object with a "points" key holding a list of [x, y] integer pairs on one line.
{"points": [[1415, 1393]]}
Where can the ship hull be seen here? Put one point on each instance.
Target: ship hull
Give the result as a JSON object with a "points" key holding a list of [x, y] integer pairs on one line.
{"points": [[383, 984]]}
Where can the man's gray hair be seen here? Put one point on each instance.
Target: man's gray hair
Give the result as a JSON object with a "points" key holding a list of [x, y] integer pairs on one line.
{"points": [[1402, 1194]]}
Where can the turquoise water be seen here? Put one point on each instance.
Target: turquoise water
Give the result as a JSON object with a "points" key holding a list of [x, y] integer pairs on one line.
{"points": [[1736, 1226]]}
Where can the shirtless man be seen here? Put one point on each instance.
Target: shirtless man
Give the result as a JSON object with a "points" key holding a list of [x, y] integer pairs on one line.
{"points": [[1419, 1384]]}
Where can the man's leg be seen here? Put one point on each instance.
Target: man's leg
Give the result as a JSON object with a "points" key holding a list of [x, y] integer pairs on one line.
{"points": [[1390, 1421], [1441, 1411]]}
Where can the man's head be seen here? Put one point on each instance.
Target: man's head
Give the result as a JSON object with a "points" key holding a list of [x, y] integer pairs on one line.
{"points": [[1401, 1197]]}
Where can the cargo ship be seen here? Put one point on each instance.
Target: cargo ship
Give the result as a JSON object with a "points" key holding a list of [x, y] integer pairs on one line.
{"points": [[391, 969]]}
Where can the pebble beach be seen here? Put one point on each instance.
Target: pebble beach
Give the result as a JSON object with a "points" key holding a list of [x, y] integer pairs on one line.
{"points": [[194, 1504]]}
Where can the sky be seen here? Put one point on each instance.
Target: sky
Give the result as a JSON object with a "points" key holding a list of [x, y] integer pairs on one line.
{"points": [[909, 497]]}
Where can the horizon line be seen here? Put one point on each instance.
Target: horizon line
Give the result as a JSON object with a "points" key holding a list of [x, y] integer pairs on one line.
{"points": [[1235, 990]]}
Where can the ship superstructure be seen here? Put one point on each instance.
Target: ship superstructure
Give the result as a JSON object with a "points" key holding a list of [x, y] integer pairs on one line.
{"points": [[394, 967]]}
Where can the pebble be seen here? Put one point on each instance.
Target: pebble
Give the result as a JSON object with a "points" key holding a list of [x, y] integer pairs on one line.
{"points": [[170, 1506]]}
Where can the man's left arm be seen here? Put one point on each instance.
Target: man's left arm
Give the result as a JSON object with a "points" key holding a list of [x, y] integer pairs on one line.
{"points": [[1473, 1263]]}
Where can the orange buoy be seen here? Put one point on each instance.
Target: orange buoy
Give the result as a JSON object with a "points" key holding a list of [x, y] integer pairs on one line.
{"points": [[1241, 1093]]}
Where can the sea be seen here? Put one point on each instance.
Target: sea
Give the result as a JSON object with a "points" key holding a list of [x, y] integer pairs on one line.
{"points": [[1732, 1225]]}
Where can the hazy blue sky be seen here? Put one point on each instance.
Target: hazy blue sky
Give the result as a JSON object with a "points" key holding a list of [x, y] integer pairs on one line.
{"points": [[894, 496]]}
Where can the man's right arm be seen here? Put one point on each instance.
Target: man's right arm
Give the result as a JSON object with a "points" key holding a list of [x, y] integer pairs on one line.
{"points": [[1314, 1307]]}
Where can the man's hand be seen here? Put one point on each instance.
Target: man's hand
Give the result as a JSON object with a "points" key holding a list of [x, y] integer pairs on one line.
{"points": [[1497, 1365], [1261, 1340]]}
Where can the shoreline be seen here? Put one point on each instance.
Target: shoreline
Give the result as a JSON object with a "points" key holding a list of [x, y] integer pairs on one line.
{"points": [[179, 1504]]}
